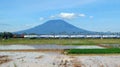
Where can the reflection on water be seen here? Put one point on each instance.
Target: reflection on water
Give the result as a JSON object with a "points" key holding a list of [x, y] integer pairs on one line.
{"points": [[17, 47]]}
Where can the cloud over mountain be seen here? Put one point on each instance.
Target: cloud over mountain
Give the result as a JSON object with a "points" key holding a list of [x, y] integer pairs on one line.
{"points": [[69, 15]]}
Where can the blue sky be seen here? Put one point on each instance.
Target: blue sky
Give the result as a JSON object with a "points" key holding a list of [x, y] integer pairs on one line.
{"points": [[93, 15]]}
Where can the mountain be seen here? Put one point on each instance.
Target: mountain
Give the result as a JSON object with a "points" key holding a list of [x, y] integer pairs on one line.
{"points": [[55, 27]]}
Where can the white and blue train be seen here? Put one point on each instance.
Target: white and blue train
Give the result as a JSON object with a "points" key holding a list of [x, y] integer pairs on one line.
{"points": [[71, 36]]}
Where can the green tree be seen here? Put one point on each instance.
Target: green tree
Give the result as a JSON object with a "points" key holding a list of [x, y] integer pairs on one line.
{"points": [[6, 35]]}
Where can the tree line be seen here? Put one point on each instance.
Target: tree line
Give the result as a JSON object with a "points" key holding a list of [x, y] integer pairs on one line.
{"points": [[6, 35]]}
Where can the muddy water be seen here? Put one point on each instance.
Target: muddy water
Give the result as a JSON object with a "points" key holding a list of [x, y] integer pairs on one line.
{"points": [[17, 47]]}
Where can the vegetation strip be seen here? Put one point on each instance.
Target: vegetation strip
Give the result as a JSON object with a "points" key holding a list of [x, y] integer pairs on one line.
{"points": [[59, 41], [94, 51]]}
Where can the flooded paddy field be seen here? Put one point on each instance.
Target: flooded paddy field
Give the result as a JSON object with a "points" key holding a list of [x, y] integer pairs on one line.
{"points": [[56, 58], [35, 47], [111, 45]]}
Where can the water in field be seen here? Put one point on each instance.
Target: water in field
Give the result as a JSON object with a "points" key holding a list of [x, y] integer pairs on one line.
{"points": [[51, 46], [112, 45]]}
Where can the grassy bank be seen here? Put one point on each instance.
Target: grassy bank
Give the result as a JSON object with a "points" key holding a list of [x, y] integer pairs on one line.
{"points": [[60, 41], [94, 51]]}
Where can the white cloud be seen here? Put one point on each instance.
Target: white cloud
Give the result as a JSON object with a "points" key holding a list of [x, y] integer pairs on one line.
{"points": [[82, 15], [91, 17], [41, 18], [67, 15], [52, 17]]}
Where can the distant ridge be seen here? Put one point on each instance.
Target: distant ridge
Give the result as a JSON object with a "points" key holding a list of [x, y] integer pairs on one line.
{"points": [[55, 27]]}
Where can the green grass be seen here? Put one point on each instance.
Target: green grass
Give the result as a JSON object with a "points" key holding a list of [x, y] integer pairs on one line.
{"points": [[59, 41], [94, 51]]}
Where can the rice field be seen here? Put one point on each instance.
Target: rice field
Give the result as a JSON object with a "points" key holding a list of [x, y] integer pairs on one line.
{"points": [[59, 41], [31, 58], [94, 51]]}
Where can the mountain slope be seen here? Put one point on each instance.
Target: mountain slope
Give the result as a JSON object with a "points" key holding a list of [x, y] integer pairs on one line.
{"points": [[55, 26]]}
